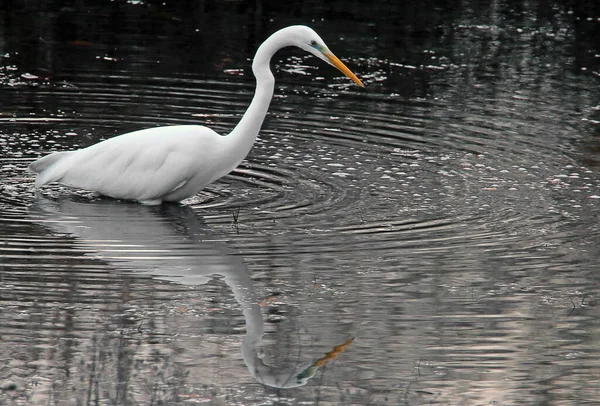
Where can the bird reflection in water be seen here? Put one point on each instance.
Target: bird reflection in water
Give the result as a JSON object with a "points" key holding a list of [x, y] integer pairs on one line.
{"points": [[132, 237]]}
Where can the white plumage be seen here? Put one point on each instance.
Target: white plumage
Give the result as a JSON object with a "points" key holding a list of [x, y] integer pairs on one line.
{"points": [[150, 166], [176, 162]]}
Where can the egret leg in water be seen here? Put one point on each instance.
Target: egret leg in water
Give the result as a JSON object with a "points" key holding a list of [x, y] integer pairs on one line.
{"points": [[172, 163]]}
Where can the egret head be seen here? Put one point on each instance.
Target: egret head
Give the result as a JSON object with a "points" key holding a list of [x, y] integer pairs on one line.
{"points": [[307, 39]]}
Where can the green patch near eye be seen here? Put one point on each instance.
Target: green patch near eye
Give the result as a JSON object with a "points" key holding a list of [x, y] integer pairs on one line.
{"points": [[317, 46], [307, 373]]}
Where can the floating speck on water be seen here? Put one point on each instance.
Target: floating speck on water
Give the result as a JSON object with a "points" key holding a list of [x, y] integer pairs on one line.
{"points": [[29, 76]]}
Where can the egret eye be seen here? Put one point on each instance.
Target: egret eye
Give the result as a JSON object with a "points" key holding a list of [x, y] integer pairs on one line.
{"points": [[313, 42]]}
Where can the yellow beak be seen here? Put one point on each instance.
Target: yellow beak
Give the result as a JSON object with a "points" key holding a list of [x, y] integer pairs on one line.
{"points": [[343, 68]]}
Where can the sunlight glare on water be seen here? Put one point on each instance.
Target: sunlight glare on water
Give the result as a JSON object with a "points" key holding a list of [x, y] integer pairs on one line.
{"points": [[445, 217]]}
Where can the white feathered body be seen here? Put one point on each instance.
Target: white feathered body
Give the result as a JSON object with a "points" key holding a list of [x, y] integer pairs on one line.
{"points": [[174, 163], [153, 165]]}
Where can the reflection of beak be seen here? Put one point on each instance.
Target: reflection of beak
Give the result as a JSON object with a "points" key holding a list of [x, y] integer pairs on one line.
{"points": [[343, 68], [338, 348], [311, 370]]}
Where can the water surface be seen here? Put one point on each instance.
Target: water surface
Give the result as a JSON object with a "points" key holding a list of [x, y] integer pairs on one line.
{"points": [[445, 217]]}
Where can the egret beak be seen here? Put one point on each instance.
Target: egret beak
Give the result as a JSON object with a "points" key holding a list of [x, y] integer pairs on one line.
{"points": [[342, 68]]}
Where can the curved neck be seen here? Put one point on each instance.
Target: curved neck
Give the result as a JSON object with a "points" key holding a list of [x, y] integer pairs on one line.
{"points": [[245, 132]]}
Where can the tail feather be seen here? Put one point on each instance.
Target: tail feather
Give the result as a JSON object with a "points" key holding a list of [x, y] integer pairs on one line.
{"points": [[47, 168]]}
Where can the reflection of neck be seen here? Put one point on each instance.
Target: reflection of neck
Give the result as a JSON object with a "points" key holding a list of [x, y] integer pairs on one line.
{"points": [[243, 290], [147, 229], [284, 377]]}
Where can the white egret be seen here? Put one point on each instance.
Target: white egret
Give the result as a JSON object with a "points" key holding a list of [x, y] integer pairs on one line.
{"points": [[172, 163]]}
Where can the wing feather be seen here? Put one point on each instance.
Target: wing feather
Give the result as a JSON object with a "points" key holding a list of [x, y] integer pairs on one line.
{"points": [[144, 165]]}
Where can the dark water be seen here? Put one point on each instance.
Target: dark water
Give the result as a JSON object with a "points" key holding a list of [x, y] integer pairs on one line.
{"points": [[445, 217]]}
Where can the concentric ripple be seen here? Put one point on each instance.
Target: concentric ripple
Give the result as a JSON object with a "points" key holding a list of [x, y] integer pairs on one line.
{"points": [[398, 171]]}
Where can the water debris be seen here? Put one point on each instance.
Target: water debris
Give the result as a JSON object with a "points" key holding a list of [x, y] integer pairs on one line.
{"points": [[236, 72], [29, 76]]}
